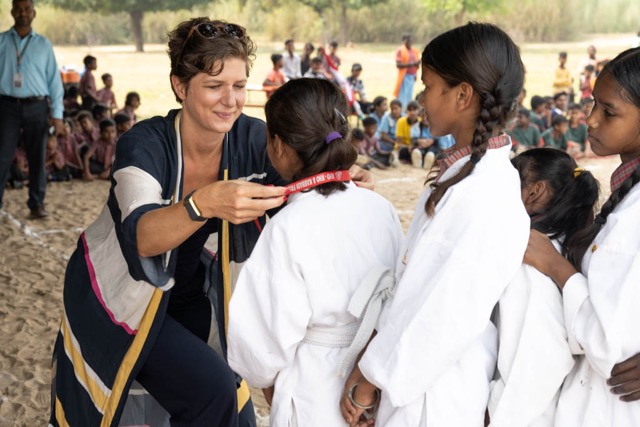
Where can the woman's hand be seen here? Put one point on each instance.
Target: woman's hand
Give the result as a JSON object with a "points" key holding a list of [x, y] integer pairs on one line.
{"points": [[625, 379], [362, 178], [543, 256], [364, 394], [237, 201]]}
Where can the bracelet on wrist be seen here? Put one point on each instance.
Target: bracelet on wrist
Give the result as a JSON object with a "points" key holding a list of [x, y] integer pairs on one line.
{"points": [[358, 405]]}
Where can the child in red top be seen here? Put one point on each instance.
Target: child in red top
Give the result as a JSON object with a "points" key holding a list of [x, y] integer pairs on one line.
{"points": [[275, 78], [98, 157], [70, 146], [54, 162]]}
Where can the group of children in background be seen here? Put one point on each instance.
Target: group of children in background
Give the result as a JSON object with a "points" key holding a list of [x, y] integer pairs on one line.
{"points": [[91, 130], [558, 120]]}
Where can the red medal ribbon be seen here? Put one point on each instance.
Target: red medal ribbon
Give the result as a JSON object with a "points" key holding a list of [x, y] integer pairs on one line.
{"points": [[315, 180]]}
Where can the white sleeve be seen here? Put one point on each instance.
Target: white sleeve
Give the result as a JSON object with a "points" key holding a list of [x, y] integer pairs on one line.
{"points": [[600, 311], [442, 304], [269, 311]]}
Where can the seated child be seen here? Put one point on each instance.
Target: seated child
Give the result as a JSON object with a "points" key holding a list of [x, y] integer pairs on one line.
{"points": [[87, 134], [576, 133], [123, 123], [539, 115], [98, 157], [99, 112], [381, 158], [317, 70], [289, 321], [534, 354], [555, 136], [360, 145], [388, 125], [524, 134], [380, 108], [275, 78], [131, 104], [70, 147], [425, 149], [408, 128], [54, 161]]}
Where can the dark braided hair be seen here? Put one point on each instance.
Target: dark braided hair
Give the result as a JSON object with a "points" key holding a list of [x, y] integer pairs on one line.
{"points": [[302, 112], [625, 69], [574, 192], [486, 58]]}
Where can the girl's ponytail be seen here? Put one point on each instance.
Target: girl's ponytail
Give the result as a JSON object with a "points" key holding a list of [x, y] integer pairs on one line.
{"points": [[583, 240]]}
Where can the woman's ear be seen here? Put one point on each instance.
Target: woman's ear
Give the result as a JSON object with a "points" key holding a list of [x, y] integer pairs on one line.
{"points": [[179, 87]]}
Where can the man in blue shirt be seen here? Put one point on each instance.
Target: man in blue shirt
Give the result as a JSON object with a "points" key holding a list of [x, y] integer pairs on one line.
{"points": [[30, 90]]}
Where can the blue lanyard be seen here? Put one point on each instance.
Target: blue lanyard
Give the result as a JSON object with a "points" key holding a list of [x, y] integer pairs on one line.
{"points": [[20, 55]]}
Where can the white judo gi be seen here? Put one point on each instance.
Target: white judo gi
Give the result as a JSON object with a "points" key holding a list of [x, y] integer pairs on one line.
{"points": [[602, 312], [534, 355], [304, 269], [435, 351]]}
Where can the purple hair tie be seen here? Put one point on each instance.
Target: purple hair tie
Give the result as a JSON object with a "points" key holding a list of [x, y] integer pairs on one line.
{"points": [[333, 135]]}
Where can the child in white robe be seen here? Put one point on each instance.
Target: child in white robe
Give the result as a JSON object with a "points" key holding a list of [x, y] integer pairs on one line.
{"points": [[600, 279], [290, 315], [435, 350], [533, 354]]}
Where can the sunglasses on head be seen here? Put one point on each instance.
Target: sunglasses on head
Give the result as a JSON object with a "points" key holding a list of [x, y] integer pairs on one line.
{"points": [[213, 29]]}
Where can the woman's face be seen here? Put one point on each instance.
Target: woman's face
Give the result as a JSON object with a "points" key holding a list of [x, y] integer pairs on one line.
{"points": [[215, 102], [614, 122]]}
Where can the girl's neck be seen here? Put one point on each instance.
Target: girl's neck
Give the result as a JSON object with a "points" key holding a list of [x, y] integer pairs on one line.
{"points": [[463, 135]]}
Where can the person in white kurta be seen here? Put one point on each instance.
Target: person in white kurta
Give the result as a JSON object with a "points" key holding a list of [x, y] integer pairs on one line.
{"points": [[600, 307], [302, 273], [435, 351], [534, 355]]}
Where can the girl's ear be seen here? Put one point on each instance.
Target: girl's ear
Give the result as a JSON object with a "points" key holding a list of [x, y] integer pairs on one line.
{"points": [[536, 197], [278, 145], [179, 87], [464, 95]]}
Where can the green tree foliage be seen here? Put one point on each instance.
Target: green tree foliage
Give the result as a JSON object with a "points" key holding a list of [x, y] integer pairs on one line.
{"points": [[328, 8], [135, 8], [459, 9]]}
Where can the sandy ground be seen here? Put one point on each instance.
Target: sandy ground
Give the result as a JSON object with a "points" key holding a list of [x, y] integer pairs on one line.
{"points": [[33, 256]]}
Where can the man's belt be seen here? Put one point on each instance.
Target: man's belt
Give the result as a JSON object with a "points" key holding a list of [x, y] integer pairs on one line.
{"points": [[26, 100]]}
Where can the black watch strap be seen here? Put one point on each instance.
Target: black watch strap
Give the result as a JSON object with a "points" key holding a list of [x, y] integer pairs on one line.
{"points": [[192, 208]]}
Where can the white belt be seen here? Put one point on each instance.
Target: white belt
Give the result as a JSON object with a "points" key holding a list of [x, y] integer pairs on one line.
{"points": [[365, 305]]}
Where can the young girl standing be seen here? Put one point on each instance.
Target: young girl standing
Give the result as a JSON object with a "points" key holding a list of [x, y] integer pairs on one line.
{"points": [[534, 355], [600, 284], [293, 313], [435, 351]]}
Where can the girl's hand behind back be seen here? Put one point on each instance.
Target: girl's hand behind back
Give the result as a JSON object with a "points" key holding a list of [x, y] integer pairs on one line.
{"points": [[625, 379], [543, 256]]}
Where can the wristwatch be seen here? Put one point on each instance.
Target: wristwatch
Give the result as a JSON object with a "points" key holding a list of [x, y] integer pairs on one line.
{"points": [[192, 209]]}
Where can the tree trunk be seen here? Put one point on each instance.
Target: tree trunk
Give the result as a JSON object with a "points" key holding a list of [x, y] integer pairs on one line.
{"points": [[344, 24], [136, 27]]}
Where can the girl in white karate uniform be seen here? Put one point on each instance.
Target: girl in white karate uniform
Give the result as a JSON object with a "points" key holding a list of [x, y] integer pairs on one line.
{"points": [[534, 355], [435, 350], [600, 285], [292, 313]]}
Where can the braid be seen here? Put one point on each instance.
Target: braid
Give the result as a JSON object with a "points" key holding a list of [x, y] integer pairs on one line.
{"points": [[578, 246], [492, 117]]}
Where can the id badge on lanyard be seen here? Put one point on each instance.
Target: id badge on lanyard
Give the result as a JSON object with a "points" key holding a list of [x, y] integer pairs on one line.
{"points": [[17, 77]]}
